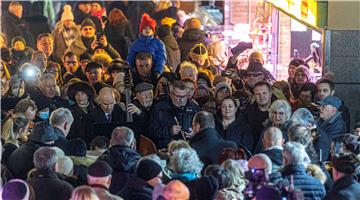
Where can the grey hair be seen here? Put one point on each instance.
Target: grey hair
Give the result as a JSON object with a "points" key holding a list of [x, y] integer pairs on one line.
{"points": [[45, 158], [301, 134], [46, 76], [303, 116], [122, 136], [236, 172], [281, 104], [60, 116], [294, 153], [186, 64], [65, 166], [264, 158], [273, 134], [185, 161]]}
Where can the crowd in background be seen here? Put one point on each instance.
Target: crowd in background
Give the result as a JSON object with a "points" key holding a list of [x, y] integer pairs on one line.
{"points": [[134, 100]]}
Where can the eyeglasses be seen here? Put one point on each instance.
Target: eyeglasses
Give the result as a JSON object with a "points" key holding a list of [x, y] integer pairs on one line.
{"points": [[71, 62]]}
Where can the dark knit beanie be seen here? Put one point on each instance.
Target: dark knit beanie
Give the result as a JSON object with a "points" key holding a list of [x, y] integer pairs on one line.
{"points": [[148, 169], [77, 147], [206, 187], [16, 39], [87, 22], [92, 65], [99, 169]]}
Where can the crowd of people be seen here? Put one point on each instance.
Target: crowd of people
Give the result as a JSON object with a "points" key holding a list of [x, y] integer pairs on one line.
{"points": [[134, 100]]}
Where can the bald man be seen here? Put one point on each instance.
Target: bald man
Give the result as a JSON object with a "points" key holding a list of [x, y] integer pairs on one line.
{"points": [[107, 112], [273, 141], [260, 161], [176, 190]]}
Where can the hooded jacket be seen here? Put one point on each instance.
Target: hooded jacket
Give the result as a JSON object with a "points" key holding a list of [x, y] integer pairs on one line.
{"points": [[190, 38]]}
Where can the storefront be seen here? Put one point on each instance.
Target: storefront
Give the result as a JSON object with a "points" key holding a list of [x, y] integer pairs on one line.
{"points": [[280, 29]]}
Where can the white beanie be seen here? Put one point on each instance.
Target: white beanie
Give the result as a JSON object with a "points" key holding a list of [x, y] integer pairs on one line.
{"points": [[67, 14]]}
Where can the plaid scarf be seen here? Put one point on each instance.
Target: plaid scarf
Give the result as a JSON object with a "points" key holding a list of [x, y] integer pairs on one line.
{"points": [[69, 36]]}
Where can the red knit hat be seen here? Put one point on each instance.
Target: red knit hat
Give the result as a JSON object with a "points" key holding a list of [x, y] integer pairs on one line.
{"points": [[146, 20]]}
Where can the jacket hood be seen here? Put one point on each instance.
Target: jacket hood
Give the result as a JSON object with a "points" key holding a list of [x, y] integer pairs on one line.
{"points": [[194, 34], [170, 41], [121, 158]]}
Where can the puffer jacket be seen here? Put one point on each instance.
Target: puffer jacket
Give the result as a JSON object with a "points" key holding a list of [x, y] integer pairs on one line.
{"points": [[123, 160], [311, 187], [151, 45], [190, 38]]}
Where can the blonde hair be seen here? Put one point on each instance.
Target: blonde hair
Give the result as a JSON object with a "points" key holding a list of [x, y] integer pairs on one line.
{"points": [[84, 193], [163, 5], [11, 127], [102, 58]]}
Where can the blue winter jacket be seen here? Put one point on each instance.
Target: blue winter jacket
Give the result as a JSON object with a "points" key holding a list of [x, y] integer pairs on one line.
{"points": [[333, 126], [152, 45], [311, 187]]}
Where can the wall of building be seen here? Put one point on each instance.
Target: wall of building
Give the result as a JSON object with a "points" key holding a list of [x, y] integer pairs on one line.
{"points": [[343, 15]]}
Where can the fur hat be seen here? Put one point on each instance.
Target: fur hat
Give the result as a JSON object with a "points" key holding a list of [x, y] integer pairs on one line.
{"points": [[316, 172], [146, 20], [67, 14]]}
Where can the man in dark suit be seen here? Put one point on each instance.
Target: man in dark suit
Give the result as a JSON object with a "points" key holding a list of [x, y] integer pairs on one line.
{"points": [[206, 141], [107, 112]]}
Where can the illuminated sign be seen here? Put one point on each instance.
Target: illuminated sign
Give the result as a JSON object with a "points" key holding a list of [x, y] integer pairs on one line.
{"points": [[303, 10]]}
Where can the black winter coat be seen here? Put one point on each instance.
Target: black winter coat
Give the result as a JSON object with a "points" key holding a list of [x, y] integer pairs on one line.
{"points": [[120, 37], [209, 146], [21, 160], [136, 189], [47, 185], [238, 131], [190, 38], [12, 26], [346, 188], [163, 117], [78, 127], [61, 142], [256, 118], [275, 156], [311, 187], [123, 161]]}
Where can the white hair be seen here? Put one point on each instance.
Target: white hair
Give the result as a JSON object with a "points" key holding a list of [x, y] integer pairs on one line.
{"points": [[185, 160], [64, 165], [302, 116], [61, 115], [294, 153], [281, 104]]}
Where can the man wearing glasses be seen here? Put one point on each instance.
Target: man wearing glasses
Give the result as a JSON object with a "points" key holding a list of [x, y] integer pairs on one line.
{"points": [[171, 119]]}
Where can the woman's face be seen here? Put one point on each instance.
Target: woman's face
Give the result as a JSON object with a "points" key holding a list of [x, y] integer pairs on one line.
{"points": [[81, 98], [291, 71], [162, 86], [301, 78], [278, 117], [30, 113], [228, 108]]}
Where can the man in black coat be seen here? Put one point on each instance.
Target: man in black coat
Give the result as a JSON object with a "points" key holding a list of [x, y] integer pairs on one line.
{"points": [[148, 175], [11, 23], [82, 11], [345, 186], [61, 120], [21, 160], [206, 141], [44, 180], [122, 157], [172, 119], [272, 142]]}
